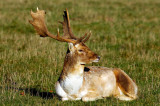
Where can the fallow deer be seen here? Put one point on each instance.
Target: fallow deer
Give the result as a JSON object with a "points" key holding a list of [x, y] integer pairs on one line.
{"points": [[77, 81]]}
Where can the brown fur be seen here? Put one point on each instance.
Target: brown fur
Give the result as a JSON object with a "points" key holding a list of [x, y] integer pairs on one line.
{"points": [[125, 83], [72, 59]]}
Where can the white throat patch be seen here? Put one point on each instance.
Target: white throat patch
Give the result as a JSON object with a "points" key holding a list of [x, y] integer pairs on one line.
{"points": [[73, 81]]}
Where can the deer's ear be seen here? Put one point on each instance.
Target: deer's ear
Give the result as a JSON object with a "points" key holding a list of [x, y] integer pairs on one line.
{"points": [[70, 46]]}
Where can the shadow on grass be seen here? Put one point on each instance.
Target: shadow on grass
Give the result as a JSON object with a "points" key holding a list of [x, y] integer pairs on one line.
{"points": [[32, 92], [44, 95]]}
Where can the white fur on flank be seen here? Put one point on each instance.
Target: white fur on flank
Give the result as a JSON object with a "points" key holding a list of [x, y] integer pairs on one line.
{"points": [[110, 83]]}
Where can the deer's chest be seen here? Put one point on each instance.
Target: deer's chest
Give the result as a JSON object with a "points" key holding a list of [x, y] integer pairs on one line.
{"points": [[72, 83]]}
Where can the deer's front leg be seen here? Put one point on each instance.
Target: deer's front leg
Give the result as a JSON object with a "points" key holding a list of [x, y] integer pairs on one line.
{"points": [[60, 92]]}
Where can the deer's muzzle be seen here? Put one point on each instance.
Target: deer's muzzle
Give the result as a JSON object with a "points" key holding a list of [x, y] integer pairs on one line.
{"points": [[97, 59]]}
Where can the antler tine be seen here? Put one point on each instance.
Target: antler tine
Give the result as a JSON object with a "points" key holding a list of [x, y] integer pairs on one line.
{"points": [[58, 32], [37, 9], [87, 37], [81, 38], [66, 26], [40, 27], [67, 16]]}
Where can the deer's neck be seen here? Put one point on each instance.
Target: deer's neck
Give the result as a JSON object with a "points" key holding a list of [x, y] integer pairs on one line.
{"points": [[72, 66], [71, 78]]}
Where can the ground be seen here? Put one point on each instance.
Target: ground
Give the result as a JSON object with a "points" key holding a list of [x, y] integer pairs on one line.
{"points": [[125, 33]]}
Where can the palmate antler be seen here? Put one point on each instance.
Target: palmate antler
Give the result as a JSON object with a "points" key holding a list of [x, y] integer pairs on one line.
{"points": [[40, 27]]}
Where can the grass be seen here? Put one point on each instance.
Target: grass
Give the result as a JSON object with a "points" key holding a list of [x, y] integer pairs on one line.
{"points": [[124, 33]]}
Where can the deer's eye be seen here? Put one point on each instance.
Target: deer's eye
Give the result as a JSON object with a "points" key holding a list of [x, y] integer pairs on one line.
{"points": [[80, 50]]}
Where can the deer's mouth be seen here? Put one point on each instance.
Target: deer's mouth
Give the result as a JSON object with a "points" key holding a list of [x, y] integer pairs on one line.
{"points": [[82, 64], [97, 59]]}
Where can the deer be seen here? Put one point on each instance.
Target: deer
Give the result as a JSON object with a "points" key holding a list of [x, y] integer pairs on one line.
{"points": [[77, 82]]}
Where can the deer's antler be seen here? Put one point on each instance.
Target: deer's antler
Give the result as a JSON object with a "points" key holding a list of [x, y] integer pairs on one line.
{"points": [[66, 26], [40, 27], [67, 29], [84, 40]]}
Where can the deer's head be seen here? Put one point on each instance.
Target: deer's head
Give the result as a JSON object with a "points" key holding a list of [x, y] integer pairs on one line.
{"points": [[82, 53], [77, 47]]}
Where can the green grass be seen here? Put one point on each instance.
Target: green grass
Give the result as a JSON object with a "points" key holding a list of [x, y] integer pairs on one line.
{"points": [[125, 33]]}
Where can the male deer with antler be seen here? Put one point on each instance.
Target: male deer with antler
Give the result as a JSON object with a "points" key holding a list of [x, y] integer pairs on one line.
{"points": [[77, 81]]}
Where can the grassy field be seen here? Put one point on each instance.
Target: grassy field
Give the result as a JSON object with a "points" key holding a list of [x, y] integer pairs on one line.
{"points": [[125, 33]]}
